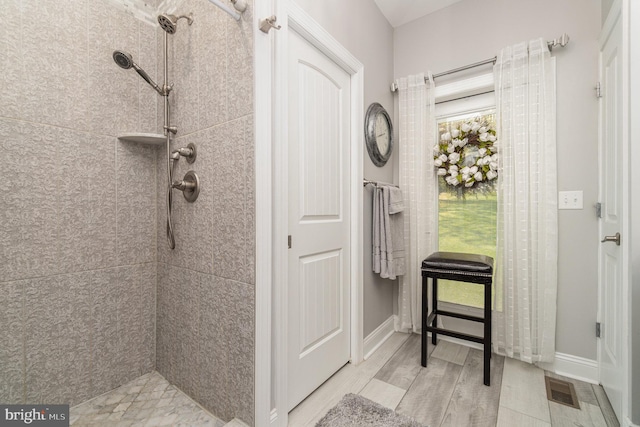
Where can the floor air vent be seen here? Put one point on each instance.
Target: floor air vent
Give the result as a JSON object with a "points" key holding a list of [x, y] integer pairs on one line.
{"points": [[561, 392]]}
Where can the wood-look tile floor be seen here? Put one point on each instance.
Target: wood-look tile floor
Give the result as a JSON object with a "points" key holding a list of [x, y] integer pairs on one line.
{"points": [[449, 392]]}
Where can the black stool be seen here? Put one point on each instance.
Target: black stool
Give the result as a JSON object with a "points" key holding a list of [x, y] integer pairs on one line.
{"points": [[462, 268]]}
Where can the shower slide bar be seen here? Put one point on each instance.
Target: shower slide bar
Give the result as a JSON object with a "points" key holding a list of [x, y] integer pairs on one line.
{"points": [[562, 41]]}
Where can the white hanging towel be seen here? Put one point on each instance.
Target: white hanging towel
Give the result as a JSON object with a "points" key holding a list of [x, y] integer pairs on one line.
{"points": [[388, 232]]}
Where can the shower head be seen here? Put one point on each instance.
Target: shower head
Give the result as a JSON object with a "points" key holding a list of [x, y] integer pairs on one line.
{"points": [[125, 60], [169, 22]]}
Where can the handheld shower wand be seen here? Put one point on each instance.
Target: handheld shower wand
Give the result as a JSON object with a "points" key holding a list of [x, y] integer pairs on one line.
{"points": [[125, 61]]}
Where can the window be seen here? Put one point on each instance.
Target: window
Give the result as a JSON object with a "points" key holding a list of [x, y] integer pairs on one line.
{"points": [[466, 219]]}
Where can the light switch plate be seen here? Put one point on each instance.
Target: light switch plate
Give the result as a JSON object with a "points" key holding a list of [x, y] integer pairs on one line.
{"points": [[570, 200]]}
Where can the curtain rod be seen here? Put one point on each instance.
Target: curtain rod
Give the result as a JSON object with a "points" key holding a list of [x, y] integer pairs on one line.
{"points": [[562, 41]]}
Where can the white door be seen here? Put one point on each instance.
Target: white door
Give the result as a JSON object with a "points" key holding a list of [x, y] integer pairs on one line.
{"points": [[610, 298], [319, 145]]}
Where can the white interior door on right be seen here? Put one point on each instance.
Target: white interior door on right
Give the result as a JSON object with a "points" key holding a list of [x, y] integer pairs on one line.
{"points": [[610, 344]]}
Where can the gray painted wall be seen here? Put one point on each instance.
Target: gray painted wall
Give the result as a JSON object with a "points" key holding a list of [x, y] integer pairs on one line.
{"points": [[635, 212], [606, 7], [361, 28], [206, 286], [451, 38], [78, 247]]}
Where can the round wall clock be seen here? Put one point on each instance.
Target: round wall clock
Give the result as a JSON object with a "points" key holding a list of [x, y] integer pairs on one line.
{"points": [[378, 134]]}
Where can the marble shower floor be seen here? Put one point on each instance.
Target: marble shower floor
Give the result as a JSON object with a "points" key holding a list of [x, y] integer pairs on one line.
{"points": [[146, 401]]}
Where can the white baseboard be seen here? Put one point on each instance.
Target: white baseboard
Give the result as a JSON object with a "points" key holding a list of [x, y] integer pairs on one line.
{"points": [[376, 338], [574, 367], [564, 364]]}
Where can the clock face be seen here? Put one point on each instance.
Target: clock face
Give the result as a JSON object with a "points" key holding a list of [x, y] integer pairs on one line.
{"points": [[378, 134], [382, 134]]}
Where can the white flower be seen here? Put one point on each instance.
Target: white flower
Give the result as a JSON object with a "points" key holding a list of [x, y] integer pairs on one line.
{"points": [[483, 129], [493, 166], [436, 149], [491, 175], [473, 170], [475, 127], [451, 180], [478, 176], [443, 157], [454, 157], [469, 184], [457, 142], [494, 157], [484, 137], [492, 138], [453, 168], [445, 136], [482, 152], [437, 162], [442, 171], [466, 127], [465, 170], [464, 142], [465, 177], [481, 161], [455, 133], [451, 149]]}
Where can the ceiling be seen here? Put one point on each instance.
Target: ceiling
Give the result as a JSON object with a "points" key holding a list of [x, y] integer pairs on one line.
{"points": [[399, 12]]}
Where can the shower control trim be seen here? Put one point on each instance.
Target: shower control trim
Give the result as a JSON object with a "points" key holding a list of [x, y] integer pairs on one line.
{"points": [[190, 186]]}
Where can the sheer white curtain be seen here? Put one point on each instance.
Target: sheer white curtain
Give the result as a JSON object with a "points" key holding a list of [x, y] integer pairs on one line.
{"points": [[524, 318], [417, 130]]}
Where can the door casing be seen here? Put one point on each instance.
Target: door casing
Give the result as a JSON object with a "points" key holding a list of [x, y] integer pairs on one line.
{"points": [[271, 52]]}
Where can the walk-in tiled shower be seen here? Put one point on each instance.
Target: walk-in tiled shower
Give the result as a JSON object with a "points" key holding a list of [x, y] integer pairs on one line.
{"points": [[91, 296]]}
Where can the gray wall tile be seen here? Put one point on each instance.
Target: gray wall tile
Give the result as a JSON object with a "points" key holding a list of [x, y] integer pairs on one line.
{"points": [[230, 208], [135, 319], [136, 203], [240, 333], [28, 218], [215, 312], [240, 65], [106, 357], [54, 42], [11, 61], [87, 201], [58, 329], [212, 51], [12, 339]]}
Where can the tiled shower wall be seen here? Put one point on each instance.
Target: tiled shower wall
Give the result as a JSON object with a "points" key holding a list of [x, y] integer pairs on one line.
{"points": [[78, 208], [205, 312]]}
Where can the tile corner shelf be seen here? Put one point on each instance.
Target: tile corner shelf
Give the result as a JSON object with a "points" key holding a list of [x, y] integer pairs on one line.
{"points": [[143, 138]]}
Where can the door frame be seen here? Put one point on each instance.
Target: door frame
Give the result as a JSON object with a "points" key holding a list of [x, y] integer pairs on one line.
{"points": [[619, 11], [271, 142]]}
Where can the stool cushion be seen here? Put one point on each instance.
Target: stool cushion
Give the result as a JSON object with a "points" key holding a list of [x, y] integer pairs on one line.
{"points": [[455, 261]]}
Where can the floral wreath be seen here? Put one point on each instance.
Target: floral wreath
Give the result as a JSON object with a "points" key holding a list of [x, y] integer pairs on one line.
{"points": [[467, 155]]}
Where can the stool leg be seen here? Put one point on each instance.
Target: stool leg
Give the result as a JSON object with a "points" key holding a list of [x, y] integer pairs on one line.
{"points": [[425, 314], [487, 333], [434, 336]]}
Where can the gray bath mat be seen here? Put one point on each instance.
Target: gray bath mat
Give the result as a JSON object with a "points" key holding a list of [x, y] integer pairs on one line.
{"points": [[354, 410]]}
